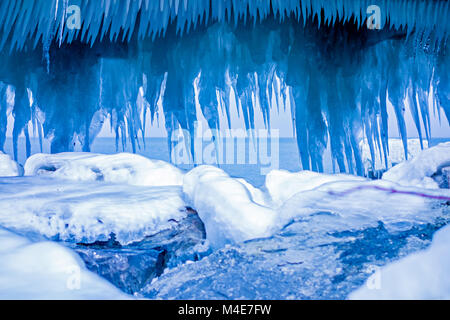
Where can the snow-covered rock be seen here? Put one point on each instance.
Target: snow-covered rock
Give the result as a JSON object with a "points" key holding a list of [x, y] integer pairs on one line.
{"points": [[423, 275], [87, 211], [47, 270], [327, 250], [8, 167], [418, 171], [363, 203], [226, 207], [118, 168], [282, 185]]}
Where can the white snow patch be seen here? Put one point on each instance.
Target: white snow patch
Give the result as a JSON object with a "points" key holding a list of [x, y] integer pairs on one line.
{"points": [[118, 168], [357, 204], [47, 270], [422, 275], [417, 172], [282, 185], [226, 207], [8, 167], [87, 211]]}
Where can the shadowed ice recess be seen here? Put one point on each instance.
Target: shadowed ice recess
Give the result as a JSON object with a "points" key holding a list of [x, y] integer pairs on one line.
{"points": [[347, 211]]}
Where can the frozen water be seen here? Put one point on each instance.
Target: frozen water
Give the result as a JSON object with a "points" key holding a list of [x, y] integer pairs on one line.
{"points": [[420, 170], [8, 167], [337, 232], [131, 266], [122, 168], [396, 153], [319, 256], [332, 73], [304, 235], [87, 211], [422, 275], [226, 207], [282, 185], [47, 270], [156, 16]]}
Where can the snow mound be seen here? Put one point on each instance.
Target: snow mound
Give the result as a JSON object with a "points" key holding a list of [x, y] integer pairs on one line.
{"points": [[87, 211], [8, 167], [363, 204], [418, 171], [46, 270], [118, 168], [226, 207], [282, 185], [423, 275]]}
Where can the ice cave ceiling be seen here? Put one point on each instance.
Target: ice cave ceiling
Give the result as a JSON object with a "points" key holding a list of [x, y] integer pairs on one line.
{"points": [[337, 73]]}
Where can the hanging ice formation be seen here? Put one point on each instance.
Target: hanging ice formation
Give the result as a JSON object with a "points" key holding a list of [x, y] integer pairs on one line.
{"points": [[338, 74]]}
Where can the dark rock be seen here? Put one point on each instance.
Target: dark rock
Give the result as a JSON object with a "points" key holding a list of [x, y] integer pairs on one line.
{"points": [[131, 266]]}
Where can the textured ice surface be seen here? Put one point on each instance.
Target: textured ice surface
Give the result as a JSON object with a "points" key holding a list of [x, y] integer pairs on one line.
{"points": [[156, 16], [282, 185], [122, 168], [47, 270], [319, 256], [8, 167], [396, 153], [131, 266], [422, 275], [337, 232], [226, 207], [335, 75], [419, 170], [305, 235], [87, 211]]}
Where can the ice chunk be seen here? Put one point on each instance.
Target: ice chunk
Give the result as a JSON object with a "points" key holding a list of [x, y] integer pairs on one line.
{"points": [[419, 170], [132, 266], [423, 275], [118, 168], [396, 153], [226, 207], [87, 211], [8, 167], [47, 270], [320, 256], [364, 203], [282, 184]]}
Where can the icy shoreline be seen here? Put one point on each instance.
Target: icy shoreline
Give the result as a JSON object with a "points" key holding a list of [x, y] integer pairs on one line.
{"points": [[295, 223]]}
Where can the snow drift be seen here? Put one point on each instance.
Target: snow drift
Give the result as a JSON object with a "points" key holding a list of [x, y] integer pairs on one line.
{"points": [[118, 168], [8, 167], [282, 185], [418, 171], [87, 211], [46, 270]]}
